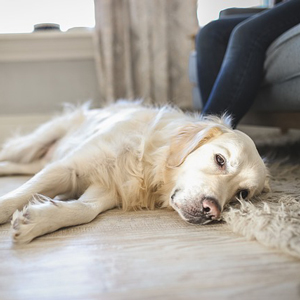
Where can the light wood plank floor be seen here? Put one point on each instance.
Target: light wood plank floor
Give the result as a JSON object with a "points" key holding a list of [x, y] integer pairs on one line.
{"points": [[142, 255]]}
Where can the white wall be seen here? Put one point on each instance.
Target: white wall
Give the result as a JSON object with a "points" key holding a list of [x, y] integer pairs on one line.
{"points": [[42, 87], [39, 72]]}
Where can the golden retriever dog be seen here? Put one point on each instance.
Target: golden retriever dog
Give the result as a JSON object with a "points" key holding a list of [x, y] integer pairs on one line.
{"points": [[87, 161]]}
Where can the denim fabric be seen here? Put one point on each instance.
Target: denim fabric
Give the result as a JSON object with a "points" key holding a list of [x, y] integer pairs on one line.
{"points": [[231, 54]]}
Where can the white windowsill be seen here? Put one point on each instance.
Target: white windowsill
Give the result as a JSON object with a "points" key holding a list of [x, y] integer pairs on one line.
{"points": [[45, 46]]}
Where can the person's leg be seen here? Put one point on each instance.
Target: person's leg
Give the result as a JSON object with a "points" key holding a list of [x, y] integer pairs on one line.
{"points": [[241, 73], [211, 45]]}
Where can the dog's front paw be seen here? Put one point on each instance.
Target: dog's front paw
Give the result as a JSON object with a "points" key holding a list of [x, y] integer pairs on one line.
{"points": [[22, 226], [34, 220]]}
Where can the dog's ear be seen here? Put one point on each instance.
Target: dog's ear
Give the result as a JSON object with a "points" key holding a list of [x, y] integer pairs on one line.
{"points": [[190, 138]]}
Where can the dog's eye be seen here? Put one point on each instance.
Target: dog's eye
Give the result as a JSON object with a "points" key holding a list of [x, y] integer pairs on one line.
{"points": [[220, 160], [243, 194]]}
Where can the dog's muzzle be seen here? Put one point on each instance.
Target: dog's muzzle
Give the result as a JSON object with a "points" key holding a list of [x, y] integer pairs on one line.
{"points": [[201, 211]]}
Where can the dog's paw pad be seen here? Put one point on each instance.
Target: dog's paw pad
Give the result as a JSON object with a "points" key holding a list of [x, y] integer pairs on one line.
{"points": [[16, 235]]}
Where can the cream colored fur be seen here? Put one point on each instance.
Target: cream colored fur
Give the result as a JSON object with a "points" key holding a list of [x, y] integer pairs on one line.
{"points": [[128, 156]]}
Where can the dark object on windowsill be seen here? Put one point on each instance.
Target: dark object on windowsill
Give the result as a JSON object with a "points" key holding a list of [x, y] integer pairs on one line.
{"points": [[46, 27]]}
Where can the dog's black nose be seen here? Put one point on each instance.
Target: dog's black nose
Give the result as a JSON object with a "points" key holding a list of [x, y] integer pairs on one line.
{"points": [[211, 208]]}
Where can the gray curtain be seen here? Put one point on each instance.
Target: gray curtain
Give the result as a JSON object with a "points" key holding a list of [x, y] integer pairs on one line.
{"points": [[143, 48]]}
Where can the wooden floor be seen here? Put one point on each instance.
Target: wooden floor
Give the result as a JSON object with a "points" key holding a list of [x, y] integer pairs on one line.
{"points": [[142, 255]]}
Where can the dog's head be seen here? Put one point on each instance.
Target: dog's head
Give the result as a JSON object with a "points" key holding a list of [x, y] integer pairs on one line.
{"points": [[212, 164]]}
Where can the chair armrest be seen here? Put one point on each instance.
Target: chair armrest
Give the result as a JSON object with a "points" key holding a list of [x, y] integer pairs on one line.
{"points": [[235, 11]]}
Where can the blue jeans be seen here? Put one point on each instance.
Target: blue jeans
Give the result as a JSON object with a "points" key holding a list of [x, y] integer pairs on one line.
{"points": [[231, 54]]}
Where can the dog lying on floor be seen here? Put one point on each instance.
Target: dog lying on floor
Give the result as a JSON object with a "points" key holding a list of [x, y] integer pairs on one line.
{"points": [[126, 155]]}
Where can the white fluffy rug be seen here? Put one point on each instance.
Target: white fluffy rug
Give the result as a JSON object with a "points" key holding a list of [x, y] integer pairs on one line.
{"points": [[273, 219]]}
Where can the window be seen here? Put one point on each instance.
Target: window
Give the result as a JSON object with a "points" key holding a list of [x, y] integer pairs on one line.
{"points": [[20, 16]]}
